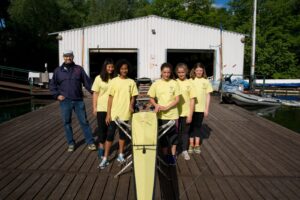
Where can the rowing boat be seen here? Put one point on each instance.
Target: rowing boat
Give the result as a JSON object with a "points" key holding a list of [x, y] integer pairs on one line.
{"points": [[144, 140]]}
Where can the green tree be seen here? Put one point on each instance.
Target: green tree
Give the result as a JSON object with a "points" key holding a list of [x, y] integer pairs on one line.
{"points": [[276, 44]]}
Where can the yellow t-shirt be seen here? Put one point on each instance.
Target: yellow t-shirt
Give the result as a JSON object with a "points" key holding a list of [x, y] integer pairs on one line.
{"points": [[187, 92], [202, 87], [165, 92], [101, 87], [122, 90]]}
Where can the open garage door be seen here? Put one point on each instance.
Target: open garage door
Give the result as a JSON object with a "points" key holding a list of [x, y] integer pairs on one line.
{"points": [[191, 57], [97, 57]]}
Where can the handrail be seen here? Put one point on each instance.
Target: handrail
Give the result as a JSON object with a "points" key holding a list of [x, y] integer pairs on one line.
{"points": [[14, 73]]}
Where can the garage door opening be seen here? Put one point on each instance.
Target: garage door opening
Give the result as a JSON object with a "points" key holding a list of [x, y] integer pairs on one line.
{"points": [[191, 57], [98, 56]]}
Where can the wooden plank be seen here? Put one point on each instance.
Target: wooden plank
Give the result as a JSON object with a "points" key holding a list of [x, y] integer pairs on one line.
{"points": [[238, 189], [74, 187], [249, 188], [8, 179], [282, 186], [62, 186], [235, 159], [110, 188], [214, 188], [49, 187], [227, 190], [37, 186], [190, 189], [276, 193], [123, 186], [131, 192], [99, 186], [203, 190], [86, 187], [214, 168], [266, 154], [202, 165], [21, 189], [13, 185], [294, 186], [182, 191], [260, 189], [243, 149]]}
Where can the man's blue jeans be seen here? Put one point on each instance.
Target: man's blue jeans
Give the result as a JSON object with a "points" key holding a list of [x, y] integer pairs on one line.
{"points": [[67, 106]]}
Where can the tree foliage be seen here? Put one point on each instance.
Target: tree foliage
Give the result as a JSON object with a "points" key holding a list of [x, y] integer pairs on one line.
{"points": [[28, 23]]}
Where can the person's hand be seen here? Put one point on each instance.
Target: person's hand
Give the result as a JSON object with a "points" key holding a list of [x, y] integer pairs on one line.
{"points": [[60, 98], [206, 113], [95, 112], [157, 107], [131, 109], [188, 119], [163, 108], [107, 119]]}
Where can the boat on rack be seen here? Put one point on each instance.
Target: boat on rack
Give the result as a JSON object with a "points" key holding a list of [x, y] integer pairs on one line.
{"points": [[233, 92]]}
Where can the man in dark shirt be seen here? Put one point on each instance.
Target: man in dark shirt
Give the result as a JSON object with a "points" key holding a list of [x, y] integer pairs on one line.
{"points": [[66, 87]]}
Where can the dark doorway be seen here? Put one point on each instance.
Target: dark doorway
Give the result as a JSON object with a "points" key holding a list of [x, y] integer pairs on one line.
{"points": [[191, 57], [97, 57]]}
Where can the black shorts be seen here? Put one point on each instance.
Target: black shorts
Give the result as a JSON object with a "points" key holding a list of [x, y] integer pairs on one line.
{"points": [[102, 127], [195, 130], [112, 131], [169, 138], [182, 126]]}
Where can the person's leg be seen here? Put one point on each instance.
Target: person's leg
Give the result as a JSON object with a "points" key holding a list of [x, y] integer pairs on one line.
{"points": [[66, 113], [110, 138], [197, 132], [80, 111], [185, 134], [102, 133]]}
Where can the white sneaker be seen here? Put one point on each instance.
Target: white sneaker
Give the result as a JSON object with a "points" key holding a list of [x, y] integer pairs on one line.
{"points": [[120, 158], [185, 155], [104, 163]]}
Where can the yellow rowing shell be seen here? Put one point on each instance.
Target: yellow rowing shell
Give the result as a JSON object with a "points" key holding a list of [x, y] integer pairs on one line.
{"points": [[144, 140]]}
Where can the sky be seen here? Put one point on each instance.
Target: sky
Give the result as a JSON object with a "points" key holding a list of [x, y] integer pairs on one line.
{"points": [[221, 3]]}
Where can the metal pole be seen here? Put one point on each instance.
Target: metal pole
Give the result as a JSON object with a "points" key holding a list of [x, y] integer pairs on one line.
{"points": [[253, 43]]}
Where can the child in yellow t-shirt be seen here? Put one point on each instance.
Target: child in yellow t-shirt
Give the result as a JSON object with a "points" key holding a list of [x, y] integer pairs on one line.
{"points": [[203, 89], [166, 91], [185, 107], [100, 98], [120, 104]]}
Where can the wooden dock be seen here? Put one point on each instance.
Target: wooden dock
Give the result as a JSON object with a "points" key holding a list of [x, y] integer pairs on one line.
{"points": [[243, 157]]}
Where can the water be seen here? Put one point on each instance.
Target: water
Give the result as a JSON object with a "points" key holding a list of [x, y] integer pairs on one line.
{"points": [[10, 110], [288, 117]]}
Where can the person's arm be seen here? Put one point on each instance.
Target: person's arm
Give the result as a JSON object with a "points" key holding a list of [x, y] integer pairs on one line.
{"points": [[53, 86], [95, 101], [171, 105], [153, 102], [192, 108], [86, 81], [131, 106], [108, 114], [207, 105]]}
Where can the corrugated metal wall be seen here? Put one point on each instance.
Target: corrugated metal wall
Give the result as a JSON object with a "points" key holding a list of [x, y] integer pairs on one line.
{"points": [[152, 48]]}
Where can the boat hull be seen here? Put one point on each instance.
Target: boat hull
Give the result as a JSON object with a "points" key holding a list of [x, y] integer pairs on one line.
{"points": [[144, 144], [251, 100]]}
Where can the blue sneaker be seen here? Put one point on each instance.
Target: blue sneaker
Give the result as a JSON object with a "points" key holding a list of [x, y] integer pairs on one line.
{"points": [[120, 158], [100, 153], [104, 163], [172, 160]]}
